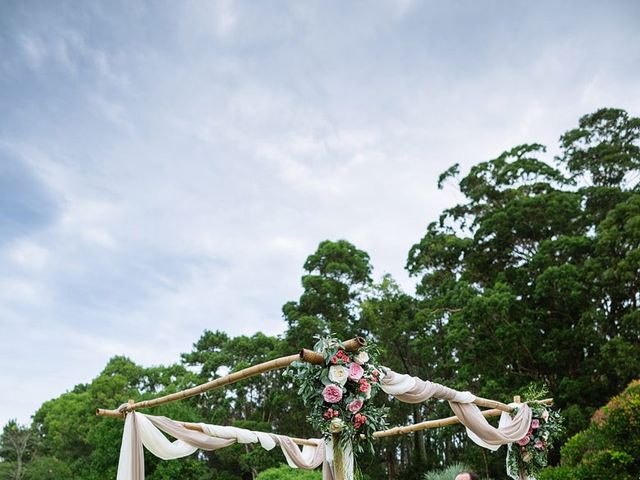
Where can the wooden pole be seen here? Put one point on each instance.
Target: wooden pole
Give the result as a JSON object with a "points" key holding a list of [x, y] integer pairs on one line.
{"points": [[205, 387], [442, 422], [299, 441], [338, 458], [485, 402], [282, 362], [310, 356]]}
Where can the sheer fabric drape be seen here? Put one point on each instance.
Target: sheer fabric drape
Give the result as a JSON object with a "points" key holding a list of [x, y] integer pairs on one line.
{"points": [[415, 390], [146, 430]]}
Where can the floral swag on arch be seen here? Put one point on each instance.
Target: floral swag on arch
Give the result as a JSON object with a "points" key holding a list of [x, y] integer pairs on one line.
{"points": [[339, 392]]}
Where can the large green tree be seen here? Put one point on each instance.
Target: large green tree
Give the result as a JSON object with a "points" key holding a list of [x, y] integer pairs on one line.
{"points": [[535, 277], [336, 275]]}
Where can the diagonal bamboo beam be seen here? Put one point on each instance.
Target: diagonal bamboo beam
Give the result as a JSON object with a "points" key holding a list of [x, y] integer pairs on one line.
{"points": [[282, 362]]}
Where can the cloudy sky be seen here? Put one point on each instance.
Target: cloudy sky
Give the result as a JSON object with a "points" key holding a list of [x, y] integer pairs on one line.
{"points": [[166, 167]]}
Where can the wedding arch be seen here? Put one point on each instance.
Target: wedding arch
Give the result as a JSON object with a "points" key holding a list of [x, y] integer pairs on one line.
{"points": [[339, 379]]}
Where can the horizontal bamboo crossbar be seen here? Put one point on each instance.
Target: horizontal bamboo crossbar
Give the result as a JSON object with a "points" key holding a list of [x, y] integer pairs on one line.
{"points": [[442, 422], [282, 362], [299, 441]]}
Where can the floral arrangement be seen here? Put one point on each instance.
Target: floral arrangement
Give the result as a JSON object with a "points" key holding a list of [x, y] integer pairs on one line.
{"points": [[339, 392], [528, 456]]}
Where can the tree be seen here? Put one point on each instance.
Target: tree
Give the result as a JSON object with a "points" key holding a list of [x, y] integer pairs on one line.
{"points": [[260, 403], [534, 278], [16, 446], [89, 445], [336, 275], [47, 468]]}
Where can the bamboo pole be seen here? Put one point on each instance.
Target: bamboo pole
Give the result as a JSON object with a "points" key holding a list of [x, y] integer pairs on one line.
{"points": [[252, 371], [354, 344], [299, 441], [282, 362], [441, 422], [485, 402], [338, 458], [310, 356]]}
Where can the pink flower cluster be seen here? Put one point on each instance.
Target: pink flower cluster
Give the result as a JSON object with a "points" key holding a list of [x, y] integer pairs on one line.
{"points": [[355, 405], [355, 372], [340, 358], [331, 413], [364, 385], [352, 390], [359, 420], [539, 444]]}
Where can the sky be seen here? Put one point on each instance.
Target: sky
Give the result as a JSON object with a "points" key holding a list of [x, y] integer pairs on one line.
{"points": [[166, 167]]}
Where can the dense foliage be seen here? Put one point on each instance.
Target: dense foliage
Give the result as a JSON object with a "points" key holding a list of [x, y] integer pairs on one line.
{"points": [[609, 448], [285, 472], [533, 279]]}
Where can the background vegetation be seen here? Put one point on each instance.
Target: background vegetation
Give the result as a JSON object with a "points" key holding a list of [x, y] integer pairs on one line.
{"points": [[533, 279]]}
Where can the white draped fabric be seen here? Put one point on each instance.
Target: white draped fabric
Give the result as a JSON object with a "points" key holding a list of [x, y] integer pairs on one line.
{"points": [[240, 435], [342, 461], [141, 429], [415, 390], [146, 430]]}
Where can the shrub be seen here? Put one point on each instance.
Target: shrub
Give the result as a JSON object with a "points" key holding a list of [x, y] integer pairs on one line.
{"points": [[609, 448], [284, 472]]}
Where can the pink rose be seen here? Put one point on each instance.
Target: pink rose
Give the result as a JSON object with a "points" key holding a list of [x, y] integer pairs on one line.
{"points": [[332, 394], [535, 423], [355, 406], [539, 445], [364, 386], [524, 441], [545, 415], [359, 420], [355, 372]]}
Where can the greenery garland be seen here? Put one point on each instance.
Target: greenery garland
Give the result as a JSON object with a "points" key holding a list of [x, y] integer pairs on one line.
{"points": [[528, 456], [339, 393]]}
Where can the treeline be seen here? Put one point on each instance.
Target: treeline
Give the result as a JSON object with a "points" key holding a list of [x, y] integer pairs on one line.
{"points": [[533, 280]]}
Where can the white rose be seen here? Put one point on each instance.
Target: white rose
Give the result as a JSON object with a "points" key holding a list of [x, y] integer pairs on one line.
{"points": [[361, 358], [338, 374], [336, 425]]}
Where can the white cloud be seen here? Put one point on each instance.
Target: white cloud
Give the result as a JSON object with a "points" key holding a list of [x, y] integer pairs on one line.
{"points": [[34, 51], [22, 291], [29, 255]]}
